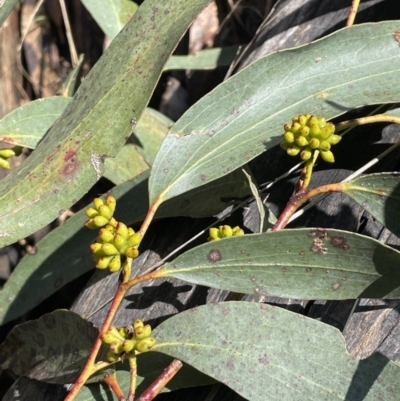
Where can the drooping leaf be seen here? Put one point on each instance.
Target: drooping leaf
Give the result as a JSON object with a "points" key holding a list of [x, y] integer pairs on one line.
{"points": [[111, 15], [64, 255], [96, 122], [265, 353], [294, 263], [53, 348], [150, 366], [243, 116], [139, 153], [6, 8], [379, 194], [71, 84], [204, 60], [26, 125]]}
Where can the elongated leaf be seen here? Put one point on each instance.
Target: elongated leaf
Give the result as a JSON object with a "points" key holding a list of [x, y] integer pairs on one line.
{"points": [[111, 15], [5, 9], [245, 115], [294, 263], [379, 194], [53, 348], [27, 125], [268, 353], [204, 60], [64, 253], [96, 122], [150, 366]]}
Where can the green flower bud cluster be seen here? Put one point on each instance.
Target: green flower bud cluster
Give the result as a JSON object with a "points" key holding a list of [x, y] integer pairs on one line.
{"points": [[127, 342], [6, 153], [116, 241], [307, 133], [216, 234]]}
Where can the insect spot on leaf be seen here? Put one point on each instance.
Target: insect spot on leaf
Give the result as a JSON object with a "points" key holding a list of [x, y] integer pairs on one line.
{"points": [[396, 36], [335, 286], [340, 242], [203, 177], [214, 256], [253, 279], [264, 359]]}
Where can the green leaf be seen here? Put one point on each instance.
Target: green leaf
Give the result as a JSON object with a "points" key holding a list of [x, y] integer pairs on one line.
{"points": [[306, 263], [264, 352], [95, 124], [379, 194], [111, 15], [26, 125], [71, 84], [207, 59], [243, 116], [53, 348], [64, 255], [138, 155], [150, 366], [5, 9]]}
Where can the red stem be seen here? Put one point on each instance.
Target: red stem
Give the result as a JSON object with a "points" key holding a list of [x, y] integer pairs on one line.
{"points": [[161, 381], [300, 198], [112, 382]]}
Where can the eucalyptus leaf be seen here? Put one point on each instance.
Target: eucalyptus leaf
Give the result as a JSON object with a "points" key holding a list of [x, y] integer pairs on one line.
{"points": [[111, 15], [53, 348], [245, 115], [64, 255], [306, 263], [265, 353], [26, 125], [96, 123], [379, 194]]}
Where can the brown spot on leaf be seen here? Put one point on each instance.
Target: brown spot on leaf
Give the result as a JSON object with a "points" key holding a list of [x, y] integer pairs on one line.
{"points": [[396, 36], [214, 256], [70, 163], [340, 242], [49, 320]]}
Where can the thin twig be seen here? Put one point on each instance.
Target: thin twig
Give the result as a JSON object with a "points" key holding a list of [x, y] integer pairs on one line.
{"points": [[71, 44], [353, 12]]}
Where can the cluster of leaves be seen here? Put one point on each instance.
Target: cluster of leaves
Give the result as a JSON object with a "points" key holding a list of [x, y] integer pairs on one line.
{"points": [[196, 160]]}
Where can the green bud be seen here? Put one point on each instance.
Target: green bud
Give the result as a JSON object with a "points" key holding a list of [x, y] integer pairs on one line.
{"points": [[237, 231], [112, 357], [6, 153], [116, 347], [142, 332], [122, 229], [109, 338], [296, 127], [123, 331], [106, 235], [322, 122], [135, 239], [109, 249], [103, 262], [114, 333], [287, 127], [334, 139], [138, 323], [132, 252], [314, 130], [288, 137], [96, 248], [293, 150], [99, 221], [105, 211], [304, 131], [145, 344], [325, 145], [301, 141], [98, 202], [305, 154], [314, 143], [4, 163], [128, 345], [313, 121], [303, 119], [327, 155], [111, 202], [214, 233], [226, 231], [115, 264], [120, 242], [325, 133], [90, 212]]}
